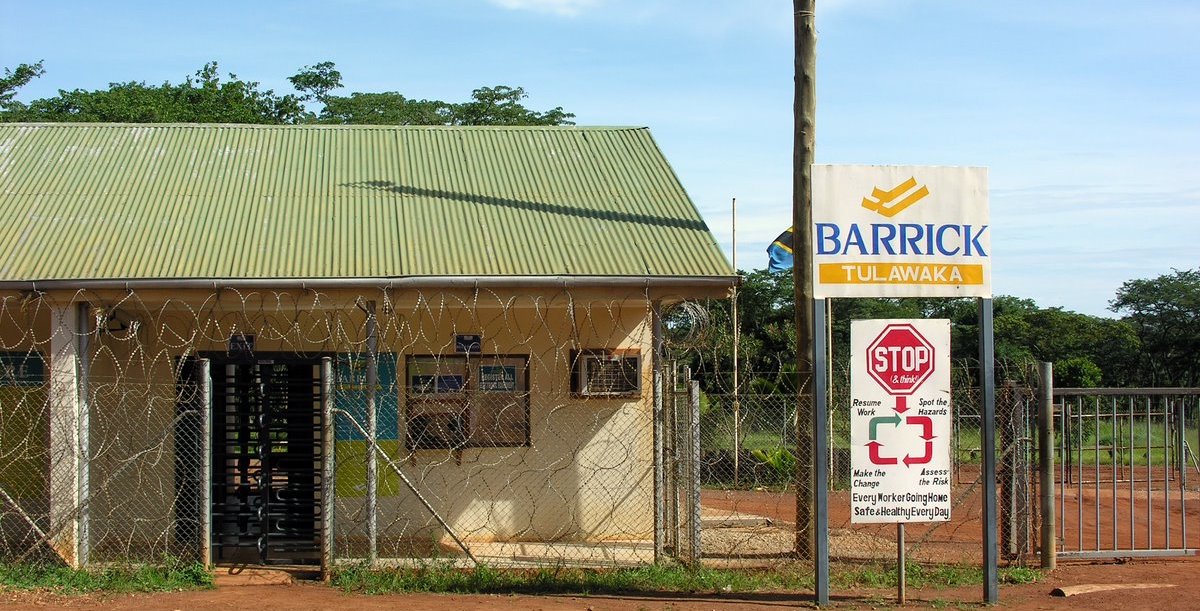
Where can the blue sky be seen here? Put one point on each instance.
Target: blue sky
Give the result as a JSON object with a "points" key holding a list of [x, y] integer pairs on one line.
{"points": [[1087, 112]]}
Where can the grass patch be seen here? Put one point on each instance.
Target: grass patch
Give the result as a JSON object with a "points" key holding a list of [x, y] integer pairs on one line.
{"points": [[927, 576], [444, 577], [169, 576], [1020, 574]]}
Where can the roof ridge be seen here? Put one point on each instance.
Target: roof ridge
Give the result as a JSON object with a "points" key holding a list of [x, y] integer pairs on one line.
{"points": [[88, 124]]}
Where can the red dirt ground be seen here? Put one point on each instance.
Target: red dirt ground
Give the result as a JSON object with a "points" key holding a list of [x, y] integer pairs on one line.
{"points": [[1164, 584], [1176, 587]]}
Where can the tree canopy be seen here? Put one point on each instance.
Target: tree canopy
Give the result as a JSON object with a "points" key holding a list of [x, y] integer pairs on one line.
{"points": [[1164, 313], [1156, 341], [207, 98]]}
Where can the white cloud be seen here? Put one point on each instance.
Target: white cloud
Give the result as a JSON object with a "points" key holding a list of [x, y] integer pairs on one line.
{"points": [[566, 8]]}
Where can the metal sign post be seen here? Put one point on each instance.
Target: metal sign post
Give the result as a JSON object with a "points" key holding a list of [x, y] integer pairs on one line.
{"points": [[987, 384]]}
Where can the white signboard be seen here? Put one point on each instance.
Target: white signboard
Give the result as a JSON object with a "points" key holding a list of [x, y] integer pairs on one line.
{"points": [[901, 231], [900, 420]]}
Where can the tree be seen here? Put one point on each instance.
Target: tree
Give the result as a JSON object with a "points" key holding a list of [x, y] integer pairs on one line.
{"points": [[501, 105], [316, 81], [387, 108], [1165, 314], [205, 99], [15, 79]]}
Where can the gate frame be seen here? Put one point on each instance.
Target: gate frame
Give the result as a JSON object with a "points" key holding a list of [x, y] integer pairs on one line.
{"points": [[321, 382], [1177, 462]]}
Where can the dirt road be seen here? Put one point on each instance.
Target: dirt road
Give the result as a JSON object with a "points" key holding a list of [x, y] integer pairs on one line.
{"points": [[1162, 585]]}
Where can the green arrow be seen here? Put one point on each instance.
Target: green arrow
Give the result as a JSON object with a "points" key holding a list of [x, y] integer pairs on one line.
{"points": [[894, 420]]}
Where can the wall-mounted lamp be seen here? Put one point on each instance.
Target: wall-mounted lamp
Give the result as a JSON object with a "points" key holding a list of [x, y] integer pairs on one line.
{"points": [[114, 322]]}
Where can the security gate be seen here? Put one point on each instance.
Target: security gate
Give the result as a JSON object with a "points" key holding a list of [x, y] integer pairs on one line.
{"points": [[267, 462], [1127, 474]]}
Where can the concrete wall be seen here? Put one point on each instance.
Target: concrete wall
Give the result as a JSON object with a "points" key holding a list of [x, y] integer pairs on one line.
{"points": [[587, 474]]}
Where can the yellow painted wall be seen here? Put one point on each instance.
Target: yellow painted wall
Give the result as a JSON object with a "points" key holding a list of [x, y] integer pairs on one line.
{"points": [[587, 474]]}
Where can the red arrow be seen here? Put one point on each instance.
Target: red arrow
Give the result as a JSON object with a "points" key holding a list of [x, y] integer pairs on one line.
{"points": [[926, 425], [876, 459], [920, 460], [901, 405]]}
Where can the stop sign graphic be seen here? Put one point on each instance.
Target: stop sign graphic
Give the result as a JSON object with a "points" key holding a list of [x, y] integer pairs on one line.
{"points": [[900, 359]]}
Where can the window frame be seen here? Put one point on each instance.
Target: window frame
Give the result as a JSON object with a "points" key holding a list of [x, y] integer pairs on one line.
{"points": [[579, 360], [463, 403]]}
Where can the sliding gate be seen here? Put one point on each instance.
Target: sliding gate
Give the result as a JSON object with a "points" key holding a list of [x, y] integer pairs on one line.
{"points": [[1128, 477], [267, 463]]}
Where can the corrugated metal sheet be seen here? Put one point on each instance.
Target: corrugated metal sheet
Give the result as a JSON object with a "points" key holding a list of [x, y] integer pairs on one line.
{"points": [[100, 201]]}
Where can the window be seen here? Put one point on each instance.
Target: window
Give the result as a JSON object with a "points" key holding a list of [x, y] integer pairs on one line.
{"points": [[607, 373], [467, 401]]}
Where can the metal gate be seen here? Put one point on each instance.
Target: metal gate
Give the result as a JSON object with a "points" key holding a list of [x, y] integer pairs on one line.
{"points": [[267, 462], [1127, 472]]}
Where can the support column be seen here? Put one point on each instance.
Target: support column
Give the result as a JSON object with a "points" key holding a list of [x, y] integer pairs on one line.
{"points": [[372, 436], [660, 497], [327, 473], [204, 378], [1049, 550], [65, 411]]}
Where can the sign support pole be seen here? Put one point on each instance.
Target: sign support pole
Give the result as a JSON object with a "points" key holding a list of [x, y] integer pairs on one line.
{"points": [[820, 428], [900, 576], [987, 384]]}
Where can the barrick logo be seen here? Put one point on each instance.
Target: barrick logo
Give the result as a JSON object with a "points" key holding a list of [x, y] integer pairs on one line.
{"points": [[882, 198]]}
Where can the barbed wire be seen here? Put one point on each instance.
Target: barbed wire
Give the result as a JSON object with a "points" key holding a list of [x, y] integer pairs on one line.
{"points": [[511, 428]]}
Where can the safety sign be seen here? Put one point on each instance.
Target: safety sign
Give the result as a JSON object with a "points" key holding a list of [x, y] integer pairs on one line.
{"points": [[900, 420]]}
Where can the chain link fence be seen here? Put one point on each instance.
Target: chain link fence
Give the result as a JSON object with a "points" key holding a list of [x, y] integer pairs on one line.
{"points": [[515, 429], [255, 426], [751, 492]]}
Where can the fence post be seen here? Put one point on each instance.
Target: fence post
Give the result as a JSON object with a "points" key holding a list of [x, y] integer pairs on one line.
{"points": [[83, 541], [204, 377], [1048, 549], [327, 460], [660, 496], [694, 472], [372, 436]]}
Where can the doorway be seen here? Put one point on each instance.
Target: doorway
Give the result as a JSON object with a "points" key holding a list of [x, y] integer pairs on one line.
{"points": [[267, 461]]}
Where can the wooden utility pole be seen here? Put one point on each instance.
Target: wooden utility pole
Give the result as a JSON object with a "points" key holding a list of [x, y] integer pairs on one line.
{"points": [[805, 109]]}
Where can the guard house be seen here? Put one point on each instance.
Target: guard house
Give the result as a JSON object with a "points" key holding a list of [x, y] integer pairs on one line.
{"points": [[304, 344]]}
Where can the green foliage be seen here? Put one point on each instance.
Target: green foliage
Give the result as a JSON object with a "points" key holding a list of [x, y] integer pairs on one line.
{"points": [[927, 576], [16, 78], [387, 108], [1157, 344], [781, 461], [316, 81], [172, 575], [501, 105], [203, 99], [444, 577], [206, 98], [1077, 372], [1164, 313]]}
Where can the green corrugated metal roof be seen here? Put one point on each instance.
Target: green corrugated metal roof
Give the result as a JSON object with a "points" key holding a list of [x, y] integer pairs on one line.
{"points": [[106, 201]]}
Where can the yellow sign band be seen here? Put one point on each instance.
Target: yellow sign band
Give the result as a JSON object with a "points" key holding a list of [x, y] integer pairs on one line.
{"points": [[900, 273]]}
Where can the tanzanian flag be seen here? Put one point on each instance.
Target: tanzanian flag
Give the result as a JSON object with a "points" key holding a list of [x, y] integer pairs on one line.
{"points": [[780, 252]]}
